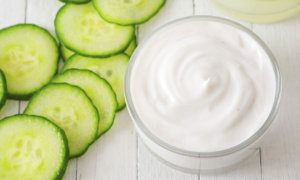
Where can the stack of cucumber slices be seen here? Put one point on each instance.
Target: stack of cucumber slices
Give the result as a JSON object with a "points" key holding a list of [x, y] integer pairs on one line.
{"points": [[70, 109]]}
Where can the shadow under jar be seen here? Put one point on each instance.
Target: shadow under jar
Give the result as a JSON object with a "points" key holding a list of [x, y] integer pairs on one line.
{"points": [[201, 92]]}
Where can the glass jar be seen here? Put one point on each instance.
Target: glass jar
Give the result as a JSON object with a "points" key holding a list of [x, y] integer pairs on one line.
{"points": [[258, 11], [205, 161]]}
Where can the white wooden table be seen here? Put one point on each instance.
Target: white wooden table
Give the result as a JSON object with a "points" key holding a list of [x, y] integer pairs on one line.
{"points": [[120, 154]]}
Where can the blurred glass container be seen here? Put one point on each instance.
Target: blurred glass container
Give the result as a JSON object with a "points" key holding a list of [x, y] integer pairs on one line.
{"points": [[258, 11]]}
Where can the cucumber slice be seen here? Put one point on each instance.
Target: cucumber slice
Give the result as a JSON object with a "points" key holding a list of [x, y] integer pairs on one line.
{"points": [[3, 89], [65, 52], [75, 1], [126, 12], [69, 108], [32, 148], [130, 49], [111, 69], [28, 57], [98, 90], [82, 30]]}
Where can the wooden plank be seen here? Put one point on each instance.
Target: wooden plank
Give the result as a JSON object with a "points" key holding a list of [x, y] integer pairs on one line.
{"points": [[281, 148], [42, 13], [151, 168], [247, 170], [11, 12], [172, 10], [148, 166], [113, 156]]}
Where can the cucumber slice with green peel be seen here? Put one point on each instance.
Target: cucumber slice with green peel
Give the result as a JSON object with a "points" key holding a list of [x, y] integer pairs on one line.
{"points": [[28, 57], [72, 110], [98, 90], [65, 52], [75, 1], [82, 30], [126, 12], [32, 148], [112, 69], [130, 49], [3, 89]]}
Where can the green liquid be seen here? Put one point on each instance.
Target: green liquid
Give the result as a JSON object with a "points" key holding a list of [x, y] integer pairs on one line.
{"points": [[258, 10]]}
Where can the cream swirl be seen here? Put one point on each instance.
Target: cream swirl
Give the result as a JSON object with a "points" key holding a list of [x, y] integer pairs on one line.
{"points": [[202, 86]]}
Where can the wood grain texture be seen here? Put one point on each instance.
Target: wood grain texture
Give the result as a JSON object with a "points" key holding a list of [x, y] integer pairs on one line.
{"points": [[246, 170], [150, 168], [281, 147], [172, 10], [113, 156], [11, 13], [42, 13]]}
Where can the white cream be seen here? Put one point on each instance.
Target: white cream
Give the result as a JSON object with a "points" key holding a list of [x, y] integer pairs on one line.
{"points": [[202, 85]]}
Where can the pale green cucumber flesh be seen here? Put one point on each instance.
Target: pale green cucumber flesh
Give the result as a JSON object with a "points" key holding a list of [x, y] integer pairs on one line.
{"points": [[126, 12], [28, 57], [71, 109], [98, 90], [32, 148], [82, 30], [112, 69]]}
